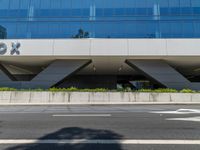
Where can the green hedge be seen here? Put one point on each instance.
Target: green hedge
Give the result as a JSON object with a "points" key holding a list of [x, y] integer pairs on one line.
{"points": [[159, 90], [187, 91], [7, 89], [74, 89]]}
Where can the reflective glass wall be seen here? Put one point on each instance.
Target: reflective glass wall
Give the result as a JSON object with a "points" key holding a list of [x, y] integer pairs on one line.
{"points": [[3, 33], [100, 18]]}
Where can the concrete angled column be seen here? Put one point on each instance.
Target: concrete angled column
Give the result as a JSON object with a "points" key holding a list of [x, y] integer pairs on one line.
{"points": [[55, 73], [7, 79], [161, 72], [5, 75], [50, 76]]}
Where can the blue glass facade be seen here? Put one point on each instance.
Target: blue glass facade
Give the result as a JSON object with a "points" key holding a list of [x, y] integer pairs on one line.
{"points": [[100, 18]]}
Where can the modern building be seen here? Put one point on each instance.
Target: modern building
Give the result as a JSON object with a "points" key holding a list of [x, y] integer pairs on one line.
{"points": [[100, 43]]}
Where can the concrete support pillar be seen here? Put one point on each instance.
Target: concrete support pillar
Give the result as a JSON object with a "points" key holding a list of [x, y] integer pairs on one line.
{"points": [[5, 74], [161, 72], [50, 76]]}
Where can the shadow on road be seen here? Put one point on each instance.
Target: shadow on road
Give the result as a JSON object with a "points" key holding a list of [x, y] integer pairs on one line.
{"points": [[74, 133]]}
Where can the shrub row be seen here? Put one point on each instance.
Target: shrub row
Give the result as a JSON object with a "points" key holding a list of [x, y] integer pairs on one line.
{"points": [[73, 89], [168, 90]]}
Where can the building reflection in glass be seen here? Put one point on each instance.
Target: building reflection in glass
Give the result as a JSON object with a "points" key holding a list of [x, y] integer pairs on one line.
{"points": [[3, 33]]}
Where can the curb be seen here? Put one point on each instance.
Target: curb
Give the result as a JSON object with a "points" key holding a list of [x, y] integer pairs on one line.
{"points": [[66, 104]]}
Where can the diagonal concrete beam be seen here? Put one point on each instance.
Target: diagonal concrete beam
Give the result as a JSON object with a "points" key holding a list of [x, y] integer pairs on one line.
{"points": [[161, 72], [5, 75], [55, 73], [50, 76]]}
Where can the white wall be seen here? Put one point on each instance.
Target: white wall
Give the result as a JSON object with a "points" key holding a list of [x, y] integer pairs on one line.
{"points": [[107, 47]]}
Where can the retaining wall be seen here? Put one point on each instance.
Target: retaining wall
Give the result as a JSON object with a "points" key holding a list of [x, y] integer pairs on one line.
{"points": [[60, 98]]}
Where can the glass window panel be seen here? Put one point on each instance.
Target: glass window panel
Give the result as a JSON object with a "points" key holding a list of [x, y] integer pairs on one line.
{"points": [[102, 3], [140, 7], [151, 4], [165, 29], [130, 9], [14, 8], [102, 30], [55, 4], [55, 8], [119, 11], [195, 3], [185, 6], [10, 28], [14, 4], [4, 6], [45, 9], [188, 29], [99, 12], [152, 29], [176, 29], [65, 29], [35, 8], [32, 30], [66, 8], [36, 4], [22, 30], [110, 12], [45, 4], [3, 32], [117, 8], [43, 30], [174, 7], [129, 29], [74, 28], [99, 5], [197, 27], [88, 29], [81, 8], [141, 31], [76, 8], [64, 18], [55, 30], [164, 7], [24, 8], [196, 6]]}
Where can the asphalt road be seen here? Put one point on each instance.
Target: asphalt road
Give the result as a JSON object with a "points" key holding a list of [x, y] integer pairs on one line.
{"points": [[130, 127]]}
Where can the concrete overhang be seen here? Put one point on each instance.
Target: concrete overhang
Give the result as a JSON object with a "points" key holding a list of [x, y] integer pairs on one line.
{"points": [[107, 55]]}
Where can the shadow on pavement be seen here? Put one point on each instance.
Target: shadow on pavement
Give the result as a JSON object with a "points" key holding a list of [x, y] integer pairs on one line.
{"points": [[74, 133]]}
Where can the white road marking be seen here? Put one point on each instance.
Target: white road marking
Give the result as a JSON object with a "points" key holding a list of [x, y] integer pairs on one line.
{"points": [[179, 111], [82, 115], [85, 141], [194, 119]]}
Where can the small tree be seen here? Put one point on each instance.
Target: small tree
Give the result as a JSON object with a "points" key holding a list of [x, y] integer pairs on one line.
{"points": [[81, 34], [3, 32]]}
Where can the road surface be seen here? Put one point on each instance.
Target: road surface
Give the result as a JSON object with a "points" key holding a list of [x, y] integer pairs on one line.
{"points": [[113, 127]]}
